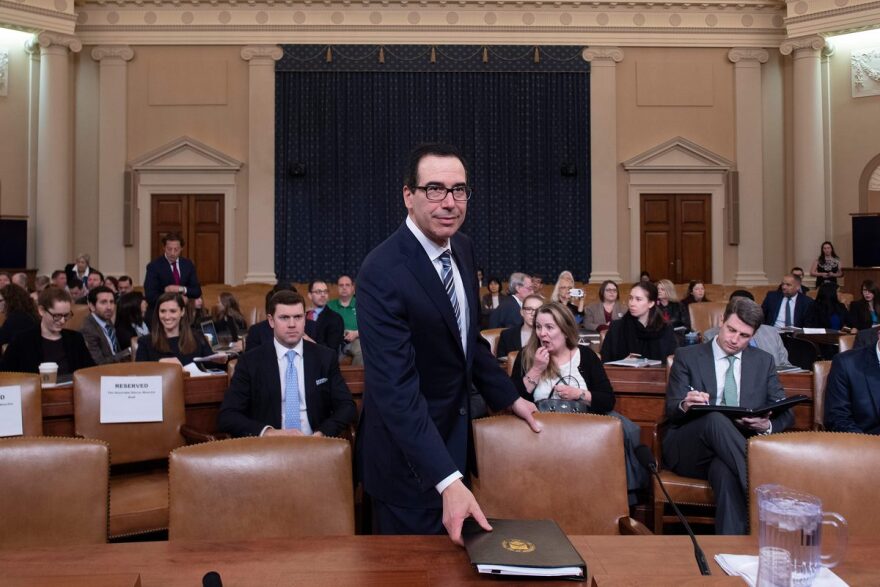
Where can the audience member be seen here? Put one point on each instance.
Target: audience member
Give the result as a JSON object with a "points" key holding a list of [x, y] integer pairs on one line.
{"points": [[480, 282], [48, 342], [229, 316], [59, 279], [171, 273], [826, 268], [490, 300], [21, 280], [514, 338], [507, 314], [865, 313], [712, 446], [130, 322], [323, 325], [81, 268], [641, 332], [562, 294], [672, 311], [786, 308], [552, 365], [799, 273], [537, 284], [124, 285], [599, 315], [314, 399], [826, 311], [95, 279], [171, 339], [77, 292], [261, 332], [112, 284], [696, 294], [644, 276], [196, 313], [20, 310], [346, 306], [41, 282], [765, 338], [852, 390], [99, 330], [5, 278]]}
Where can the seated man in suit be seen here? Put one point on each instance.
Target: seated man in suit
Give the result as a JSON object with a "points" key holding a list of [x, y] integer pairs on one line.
{"points": [[726, 371], [171, 273], [508, 313], [788, 307], [98, 329], [95, 279], [313, 400], [323, 325], [126, 285], [77, 292], [799, 273], [59, 279], [261, 332], [852, 395]]}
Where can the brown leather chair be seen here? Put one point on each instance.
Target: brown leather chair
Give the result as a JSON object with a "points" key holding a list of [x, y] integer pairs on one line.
{"points": [[573, 472], [139, 451], [846, 342], [269, 487], [820, 379], [840, 468], [55, 491], [80, 313], [31, 400], [511, 359], [683, 490], [492, 335], [706, 315]]}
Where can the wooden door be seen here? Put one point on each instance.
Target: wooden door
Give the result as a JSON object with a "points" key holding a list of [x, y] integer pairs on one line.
{"points": [[677, 236], [199, 220]]}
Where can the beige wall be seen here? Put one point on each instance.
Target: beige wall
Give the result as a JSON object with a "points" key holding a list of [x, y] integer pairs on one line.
{"points": [[664, 93], [14, 130], [200, 92]]}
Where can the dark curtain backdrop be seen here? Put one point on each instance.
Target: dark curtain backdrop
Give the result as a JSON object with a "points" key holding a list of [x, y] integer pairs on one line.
{"points": [[345, 126]]}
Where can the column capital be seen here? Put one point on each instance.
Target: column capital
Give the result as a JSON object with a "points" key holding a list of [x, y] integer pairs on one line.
{"points": [[609, 55], [46, 40], [747, 54], [256, 52], [801, 44], [123, 52]]}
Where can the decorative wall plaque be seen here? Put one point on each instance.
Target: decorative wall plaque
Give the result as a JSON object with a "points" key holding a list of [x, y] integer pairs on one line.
{"points": [[865, 72], [4, 72]]}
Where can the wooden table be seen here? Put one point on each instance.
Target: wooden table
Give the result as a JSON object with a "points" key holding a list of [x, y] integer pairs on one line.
{"points": [[389, 561]]}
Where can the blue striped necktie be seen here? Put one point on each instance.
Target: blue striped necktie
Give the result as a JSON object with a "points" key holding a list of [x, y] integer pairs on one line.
{"points": [[111, 334], [291, 394], [449, 284]]}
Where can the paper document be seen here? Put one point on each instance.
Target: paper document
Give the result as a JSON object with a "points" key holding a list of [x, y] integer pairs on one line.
{"points": [[10, 411], [131, 399]]}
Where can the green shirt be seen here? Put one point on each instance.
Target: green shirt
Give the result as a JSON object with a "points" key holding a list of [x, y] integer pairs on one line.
{"points": [[348, 313]]}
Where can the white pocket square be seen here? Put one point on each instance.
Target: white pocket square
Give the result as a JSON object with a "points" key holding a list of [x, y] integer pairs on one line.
{"points": [[321, 380]]}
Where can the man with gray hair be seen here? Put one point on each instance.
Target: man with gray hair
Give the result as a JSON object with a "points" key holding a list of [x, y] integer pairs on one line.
{"points": [[508, 313], [726, 371]]}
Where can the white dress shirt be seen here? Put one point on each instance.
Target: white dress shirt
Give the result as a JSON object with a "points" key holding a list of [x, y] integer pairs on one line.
{"points": [[780, 317], [281, 353]]}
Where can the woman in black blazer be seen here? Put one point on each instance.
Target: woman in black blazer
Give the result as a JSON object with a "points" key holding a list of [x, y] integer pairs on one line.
{"points": [[21, 313], [865, 313], [172, 339], [490, 301], [641, 331]]}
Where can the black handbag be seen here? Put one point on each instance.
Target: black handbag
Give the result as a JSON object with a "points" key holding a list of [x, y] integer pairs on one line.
{"points": [[563, 406]]}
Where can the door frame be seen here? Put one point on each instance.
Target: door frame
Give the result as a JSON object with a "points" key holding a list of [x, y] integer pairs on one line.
{"points": [[186, 166]]}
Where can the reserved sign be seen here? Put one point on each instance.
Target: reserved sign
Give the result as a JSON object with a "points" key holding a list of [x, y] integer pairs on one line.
{"points": [[127, 400], [10, 411]]}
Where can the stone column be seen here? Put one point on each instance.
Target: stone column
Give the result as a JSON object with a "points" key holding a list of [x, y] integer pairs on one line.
{"points": [[33, 50], [749, 162], [112, 155], [54, 209], [809, 160], [261, 161], [603, 155]]}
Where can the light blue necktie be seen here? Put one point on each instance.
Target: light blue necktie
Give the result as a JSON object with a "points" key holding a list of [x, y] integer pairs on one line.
{"points": [[291, 394], [729, 398], [114, 343], [449, 284]]}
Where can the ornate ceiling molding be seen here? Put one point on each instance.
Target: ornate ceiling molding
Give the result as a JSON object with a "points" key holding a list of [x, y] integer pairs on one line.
{"points": [[35, 15], [813, 17]]}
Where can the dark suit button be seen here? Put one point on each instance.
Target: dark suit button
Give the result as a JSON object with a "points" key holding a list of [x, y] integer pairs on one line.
{"points": [[462, 412]]}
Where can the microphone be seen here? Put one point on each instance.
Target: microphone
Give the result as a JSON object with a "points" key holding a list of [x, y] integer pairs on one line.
{"points": [[644, 456], [212, 579]]}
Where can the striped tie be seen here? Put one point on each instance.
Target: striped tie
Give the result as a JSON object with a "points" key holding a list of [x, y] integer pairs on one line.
{"points": [[291, 394], [449, 284], [111, 334]]}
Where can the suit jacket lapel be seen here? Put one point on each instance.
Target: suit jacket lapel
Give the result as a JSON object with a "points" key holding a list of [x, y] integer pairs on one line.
{"points": [[468, 280], [872, 377], [273, 383], [311, 369], [102, 338], [707, 372]]}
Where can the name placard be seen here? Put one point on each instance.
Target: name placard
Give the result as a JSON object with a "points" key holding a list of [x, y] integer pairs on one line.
{"points": [[10, 411], [131, 399]]}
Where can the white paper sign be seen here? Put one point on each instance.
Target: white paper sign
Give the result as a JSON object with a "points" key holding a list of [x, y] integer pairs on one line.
{"points": [[814, 331], [10, 411], [131, 399]]}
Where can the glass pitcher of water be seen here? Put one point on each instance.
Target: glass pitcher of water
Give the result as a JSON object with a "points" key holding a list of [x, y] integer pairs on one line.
{"points": [[790, 537]]}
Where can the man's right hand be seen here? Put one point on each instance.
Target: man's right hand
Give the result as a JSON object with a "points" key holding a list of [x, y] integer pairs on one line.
{"points": [[287, 432], [458, 505], [694, 397]]}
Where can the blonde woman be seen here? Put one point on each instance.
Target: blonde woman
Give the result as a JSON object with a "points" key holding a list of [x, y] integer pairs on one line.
{"points": [[673, 312], [562, 294]]}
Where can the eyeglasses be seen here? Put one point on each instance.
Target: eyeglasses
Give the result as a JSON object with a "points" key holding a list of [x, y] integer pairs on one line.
{"points": [[320, 291], [436, 192], [530, 310], [60, 317]]}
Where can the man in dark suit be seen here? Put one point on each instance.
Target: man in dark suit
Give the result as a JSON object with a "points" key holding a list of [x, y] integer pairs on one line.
{"points": [[725, 371], [788, 307], [314, 399], [323, 325], [99, 331], [418, 313], [852, 395], [866, 337], [171, 273], [508, 314], [261, 332]]}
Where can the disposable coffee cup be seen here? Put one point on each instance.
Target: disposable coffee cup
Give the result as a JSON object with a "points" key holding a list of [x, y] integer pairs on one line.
{"points": [[48, 373]]}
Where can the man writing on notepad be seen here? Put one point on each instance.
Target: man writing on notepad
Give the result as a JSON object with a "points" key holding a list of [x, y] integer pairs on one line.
{"points": [[725, 371]]}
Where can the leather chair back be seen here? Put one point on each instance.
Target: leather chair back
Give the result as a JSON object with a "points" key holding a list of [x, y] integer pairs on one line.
{"points": [[55, 491], [706, 315], [31, 400], [261, 487], [80, 313], [820, 379], [840, 468], [134, 442], [492, 335], [846, 342], [573, 471], [511, 359]]}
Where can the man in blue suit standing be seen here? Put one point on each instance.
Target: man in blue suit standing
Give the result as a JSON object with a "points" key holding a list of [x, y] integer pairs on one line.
{"points": [[418, 314], [171, 273]]}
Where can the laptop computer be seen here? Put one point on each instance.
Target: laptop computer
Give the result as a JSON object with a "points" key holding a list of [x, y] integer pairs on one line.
{"points": [[218, 344]]}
